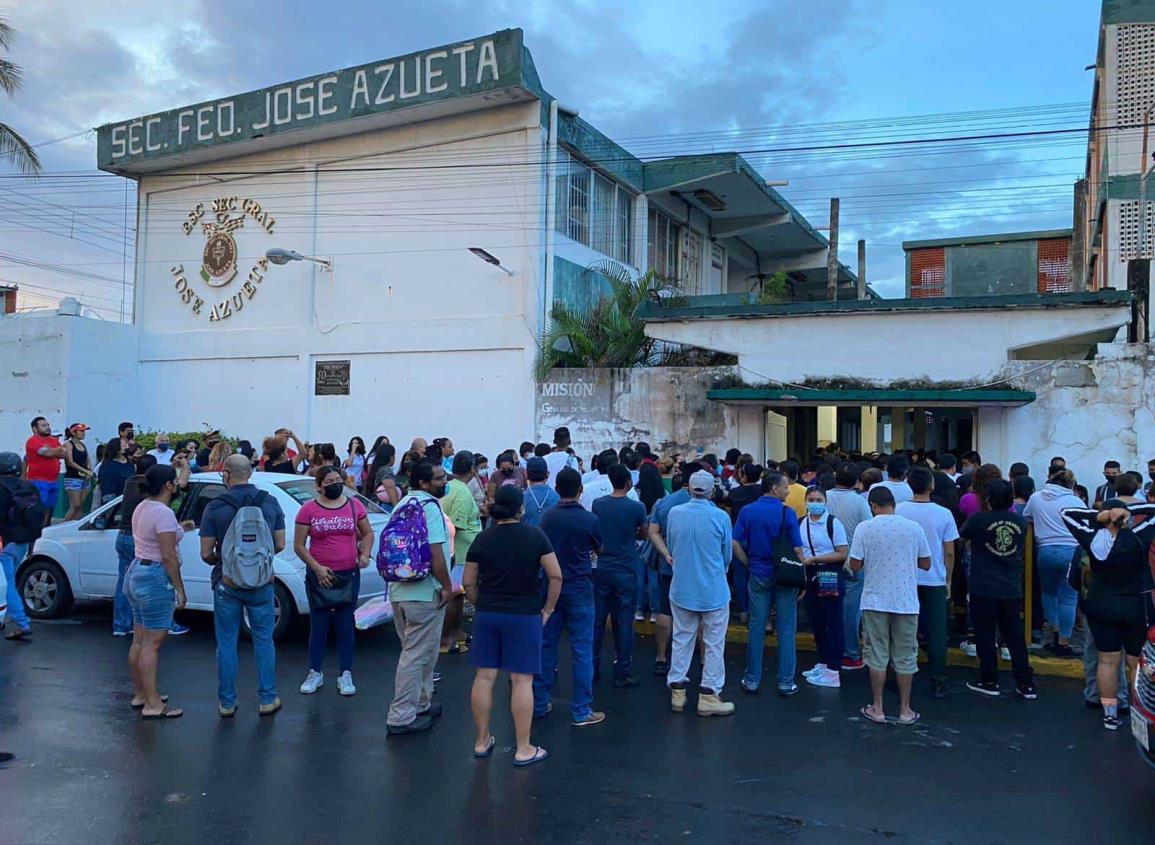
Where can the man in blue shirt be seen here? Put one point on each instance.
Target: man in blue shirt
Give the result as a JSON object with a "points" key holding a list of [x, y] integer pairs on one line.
{"points": [[539, 496], [231, 602], [622, 522], [758, 527], [576, 538], [658, 521], [701, 544]]}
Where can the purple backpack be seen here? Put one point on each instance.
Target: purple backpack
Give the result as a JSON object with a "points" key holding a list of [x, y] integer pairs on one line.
{"points": [[403, 553]]}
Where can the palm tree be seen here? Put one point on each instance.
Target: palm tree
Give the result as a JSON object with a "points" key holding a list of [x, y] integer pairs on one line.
{"points": [[13, 147], [606, 331]]}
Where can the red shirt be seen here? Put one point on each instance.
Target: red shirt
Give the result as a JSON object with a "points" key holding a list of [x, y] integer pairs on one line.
{"points": [[41, 468]]}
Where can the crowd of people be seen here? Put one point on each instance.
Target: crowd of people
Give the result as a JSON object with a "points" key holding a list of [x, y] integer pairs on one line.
{"points": [[882, 552]]}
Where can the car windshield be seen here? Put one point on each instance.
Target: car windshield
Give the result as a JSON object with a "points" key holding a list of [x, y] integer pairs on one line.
{"points": [[303, 490]]}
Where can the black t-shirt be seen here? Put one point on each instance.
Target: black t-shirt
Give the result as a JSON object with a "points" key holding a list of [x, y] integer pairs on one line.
{"points": [[508, 559], [998, 539], [742, 496]]}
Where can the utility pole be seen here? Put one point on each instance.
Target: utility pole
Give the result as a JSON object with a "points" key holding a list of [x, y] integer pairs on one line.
{"points": [[1139, 268], [832, 254], [862, 269]]}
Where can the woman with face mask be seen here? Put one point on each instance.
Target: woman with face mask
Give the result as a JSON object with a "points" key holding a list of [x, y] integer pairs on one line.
{"points": [[334, 539], [824, 546]]}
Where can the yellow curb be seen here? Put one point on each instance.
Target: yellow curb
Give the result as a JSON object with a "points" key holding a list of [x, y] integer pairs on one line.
{"points": [[1054, 667]]}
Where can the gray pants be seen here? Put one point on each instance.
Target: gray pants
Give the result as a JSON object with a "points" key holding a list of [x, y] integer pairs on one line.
{"points": [[418, 625], [1090, 675]]}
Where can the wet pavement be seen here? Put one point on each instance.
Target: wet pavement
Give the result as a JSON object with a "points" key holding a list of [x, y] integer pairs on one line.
{"points": [[806, 769]]}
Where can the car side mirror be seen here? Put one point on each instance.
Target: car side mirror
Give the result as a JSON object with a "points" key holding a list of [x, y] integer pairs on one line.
{"points": [[100, 523]]}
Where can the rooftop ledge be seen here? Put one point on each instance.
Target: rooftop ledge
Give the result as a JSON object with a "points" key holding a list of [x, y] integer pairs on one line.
{"points": [[724, 306]]}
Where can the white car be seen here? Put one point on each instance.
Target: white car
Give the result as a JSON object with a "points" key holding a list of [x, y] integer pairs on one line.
{"points": [[77, 560]]}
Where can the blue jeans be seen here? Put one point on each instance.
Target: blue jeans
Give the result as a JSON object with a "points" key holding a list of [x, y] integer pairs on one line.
{"points": [[11, 557], [615, 596], [740, 574], [575, 615], [121, 609], [852, 616], [762, 593], [1059, 597], [229, 605], [343, 622], [648, 595]]}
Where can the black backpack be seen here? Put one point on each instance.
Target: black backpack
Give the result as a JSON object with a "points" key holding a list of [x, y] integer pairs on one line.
{"points": [[21, 513]]}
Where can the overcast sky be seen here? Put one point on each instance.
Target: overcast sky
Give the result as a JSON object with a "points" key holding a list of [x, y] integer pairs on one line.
{"points": [[772, 73]]}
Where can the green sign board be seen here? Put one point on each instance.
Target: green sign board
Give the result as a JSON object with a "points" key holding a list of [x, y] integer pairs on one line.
{"points": [[467, 68]]}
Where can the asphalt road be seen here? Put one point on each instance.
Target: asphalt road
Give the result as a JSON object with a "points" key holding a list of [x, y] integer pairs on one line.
{"points": [[806, 769]]}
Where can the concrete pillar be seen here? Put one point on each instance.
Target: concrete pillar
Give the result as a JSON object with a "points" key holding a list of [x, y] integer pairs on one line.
{"points": [[869, 429], [919, 428], [897, 429], [827, 425]]}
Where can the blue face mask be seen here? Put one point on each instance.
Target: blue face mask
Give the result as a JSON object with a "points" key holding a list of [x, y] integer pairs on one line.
{"points": [[816, 508]]}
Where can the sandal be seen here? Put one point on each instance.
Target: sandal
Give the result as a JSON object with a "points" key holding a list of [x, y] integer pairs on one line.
{"points": [[139, 705], [166, 713], [458, 647], [878, 720], [915, 716], [18, 634], [538, 755], [488, 749]]}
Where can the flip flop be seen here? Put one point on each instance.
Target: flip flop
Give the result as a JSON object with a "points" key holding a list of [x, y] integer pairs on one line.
{"points": [[135, 706], [537, 757], [166, 713], [908, 722], [488, 749], [865, 711], [19, 634]]}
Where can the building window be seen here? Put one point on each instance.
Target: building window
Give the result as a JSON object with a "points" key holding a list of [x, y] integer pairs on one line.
{"points": [[1054, 266], [691, 262], [927, 273], [1134, 74], [662, 246], [592, 209]]}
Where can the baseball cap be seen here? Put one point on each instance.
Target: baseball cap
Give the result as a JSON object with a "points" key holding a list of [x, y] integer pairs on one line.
{"points": [[536, 469], [701, 482], [79, 427]]}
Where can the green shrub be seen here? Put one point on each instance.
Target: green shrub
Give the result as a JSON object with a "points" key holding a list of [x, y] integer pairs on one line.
{"points": [[147, 439]]}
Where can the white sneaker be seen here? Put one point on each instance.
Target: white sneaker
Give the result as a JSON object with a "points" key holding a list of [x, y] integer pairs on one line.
{"points": [[654, 617], [313, 682], [968, 648], [345, 683], [1005, 654], [639, 616], [819, 668], [827, 678]]}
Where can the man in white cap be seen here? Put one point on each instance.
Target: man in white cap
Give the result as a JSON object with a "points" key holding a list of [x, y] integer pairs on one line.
{"points": [[699, 539]]}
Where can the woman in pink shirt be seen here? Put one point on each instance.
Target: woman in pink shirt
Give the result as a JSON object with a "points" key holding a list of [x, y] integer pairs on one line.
{"points": [[334, 539]]}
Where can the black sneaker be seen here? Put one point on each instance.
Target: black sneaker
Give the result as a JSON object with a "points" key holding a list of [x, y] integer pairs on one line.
{"points": [[988, 688], [624, 681], [938, 689], [433, 711], [419, 724], [1060, 650], [1110, 722], [1026, 691], [661, 667]]}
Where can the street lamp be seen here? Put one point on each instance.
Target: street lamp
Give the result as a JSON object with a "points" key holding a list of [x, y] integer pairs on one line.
{"points": [[490, 258], [284, 256]]}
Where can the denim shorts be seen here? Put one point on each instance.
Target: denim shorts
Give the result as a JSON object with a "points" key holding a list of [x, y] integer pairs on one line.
{"points": [[507, 641], [74, 484], [151, 595]]}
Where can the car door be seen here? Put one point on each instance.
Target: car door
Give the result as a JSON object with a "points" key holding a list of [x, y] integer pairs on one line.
{"points": [[94, 546], [195, 573]]}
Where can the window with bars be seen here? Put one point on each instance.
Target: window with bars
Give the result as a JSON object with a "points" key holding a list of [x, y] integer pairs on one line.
{"points": [[1135, 72], [592, 209], [1054, 265], [691, 262], [927, 273], [662, 244]]}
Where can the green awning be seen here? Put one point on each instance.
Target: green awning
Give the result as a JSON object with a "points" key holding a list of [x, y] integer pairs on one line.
{"points": [[948, 397]]}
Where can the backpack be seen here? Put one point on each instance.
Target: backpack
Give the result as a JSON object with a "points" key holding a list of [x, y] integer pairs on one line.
{"points": [[247, 547], [22, 514], [403, 552]]}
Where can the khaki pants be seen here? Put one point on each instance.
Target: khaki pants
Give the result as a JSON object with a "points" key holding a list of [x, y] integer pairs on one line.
{"points": [[418, 625]]}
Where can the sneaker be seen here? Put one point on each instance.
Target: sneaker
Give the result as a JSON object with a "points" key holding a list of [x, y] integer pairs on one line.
{"points": [[436, 677], [639, 617], [178, 630], [988, 688], [419, 724], [819, 669], [1111, 722], [1026, 691], [1005, 654], [624, 681], [1060, 650], [786, 692], [270, 708], [743, 618], [313, 682], [748, 690], [226, 712], [678, 699], [433, 710], [826, 678], [654, 617], [853, 663], [710, 704], [968, 648], [938, 689], [122, 633], [593, 718], [344, 683], [661, 667]]}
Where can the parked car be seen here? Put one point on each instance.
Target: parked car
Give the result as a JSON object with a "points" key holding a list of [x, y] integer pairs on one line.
{"points": [[77, 560], [1143, 702]]}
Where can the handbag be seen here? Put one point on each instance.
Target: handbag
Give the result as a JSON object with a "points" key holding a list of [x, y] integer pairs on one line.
{"points": [[338, 594], [788, 569]]}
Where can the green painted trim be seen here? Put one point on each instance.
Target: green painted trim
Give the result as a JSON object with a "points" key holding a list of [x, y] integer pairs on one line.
{"points": [[1128, 11], [1000, 238], [1125, 186], [692, 310], [874, 396], [599, 150]]}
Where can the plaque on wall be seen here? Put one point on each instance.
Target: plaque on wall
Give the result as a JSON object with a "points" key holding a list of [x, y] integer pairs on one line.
{"points": [[331, 378]]}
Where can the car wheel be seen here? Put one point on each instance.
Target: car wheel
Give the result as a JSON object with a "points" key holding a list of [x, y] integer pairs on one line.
{"points": [[45, 589], [284, 613]]}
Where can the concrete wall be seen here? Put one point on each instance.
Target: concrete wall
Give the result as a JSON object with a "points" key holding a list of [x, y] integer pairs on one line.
{"points": [[68, 369], [664, 406]]}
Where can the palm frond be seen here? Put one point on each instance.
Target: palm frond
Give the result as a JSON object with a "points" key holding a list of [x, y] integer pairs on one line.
{"points": [[19, 152], [11, 76], [7, 33]]}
